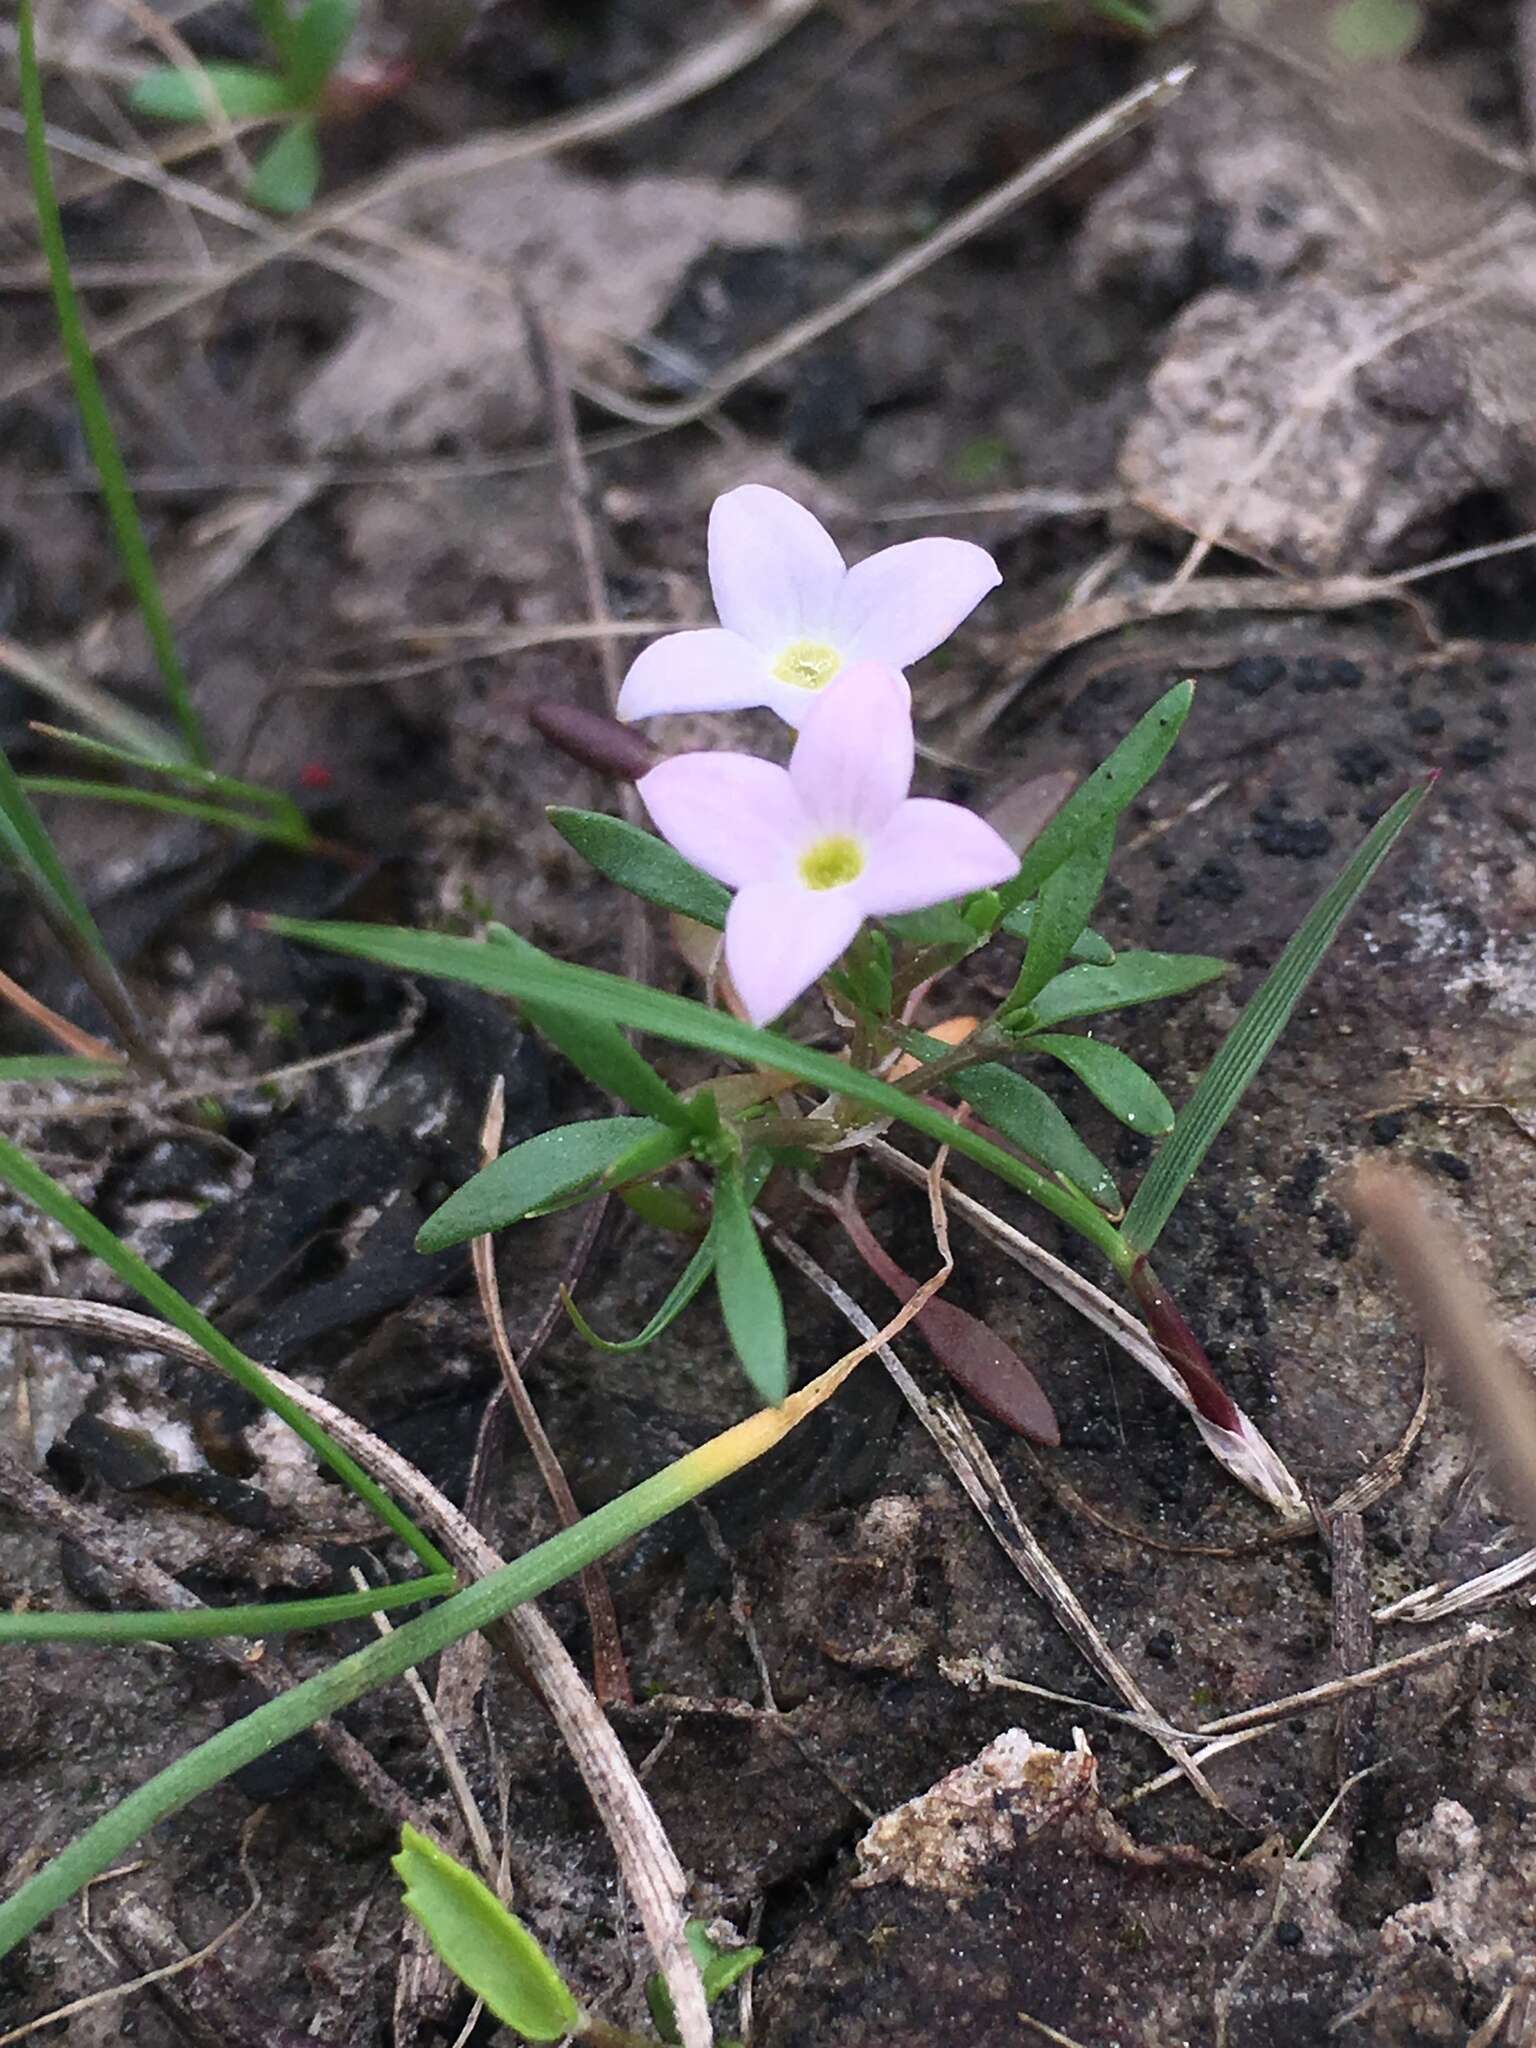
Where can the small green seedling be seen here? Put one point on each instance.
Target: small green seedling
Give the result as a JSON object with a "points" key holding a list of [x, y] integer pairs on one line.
{"points": [[307, 49]]}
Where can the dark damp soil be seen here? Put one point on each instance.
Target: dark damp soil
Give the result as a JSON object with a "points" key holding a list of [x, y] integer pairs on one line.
{"points": [[875, 1596]]}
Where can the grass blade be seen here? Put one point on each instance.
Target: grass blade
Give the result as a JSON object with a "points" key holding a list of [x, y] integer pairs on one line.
{"points": [[190, 774], [532, 977], [95, 420], [183, 1624], [253, 823], [98, 1847], [25, 838], [44, 1192], [1248, 1044], [57, 1066], [678, 1296]]}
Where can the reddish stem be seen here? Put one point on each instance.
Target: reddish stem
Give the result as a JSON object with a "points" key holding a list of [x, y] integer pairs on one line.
{"points": [[1183, 1349]]}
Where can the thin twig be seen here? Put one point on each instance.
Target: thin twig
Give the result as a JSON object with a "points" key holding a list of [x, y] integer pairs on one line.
{"points": [[58, 1028], [645, 1856], [984, 1486], [610, 1674]]}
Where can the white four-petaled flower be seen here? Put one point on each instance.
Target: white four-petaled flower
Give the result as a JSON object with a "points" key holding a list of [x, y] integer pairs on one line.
{"points": [[813, 849], [793, 615]]}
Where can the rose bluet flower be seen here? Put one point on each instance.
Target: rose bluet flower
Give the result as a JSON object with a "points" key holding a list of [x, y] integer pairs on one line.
{"points": [[793, 615], [814, 849]]}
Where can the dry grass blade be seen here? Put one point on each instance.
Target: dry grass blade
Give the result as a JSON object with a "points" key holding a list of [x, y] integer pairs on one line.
{"points": [[610, 1674], [983, 1485], [1433, 1603], [58, 1028], [645, 1856], [1252, 1462], [1431, 1266], [697, 71]]}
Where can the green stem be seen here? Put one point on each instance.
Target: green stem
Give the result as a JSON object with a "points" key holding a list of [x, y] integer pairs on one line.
{"points": [[273, 828], [100, 1846], [96, 421], [179, 1625]]}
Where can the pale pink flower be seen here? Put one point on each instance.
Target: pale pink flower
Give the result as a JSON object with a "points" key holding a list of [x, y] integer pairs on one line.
{"points": [[793, 615], [813, 849]]}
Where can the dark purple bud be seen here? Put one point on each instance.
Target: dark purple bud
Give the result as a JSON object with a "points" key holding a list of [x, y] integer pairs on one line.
{"points": [[1182, 1349], [593, 739]]}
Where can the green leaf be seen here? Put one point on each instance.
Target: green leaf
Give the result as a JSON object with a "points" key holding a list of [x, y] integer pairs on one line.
{"points": [[58, 1066], [601, 1050], [719, 1968], [1027, 1117], [319, 39], [1248, 1044], [749, 1294], [281, 830], [1375, 31], [532, 1176], [1134, 978], [1061, 914], [244, 92], [682, 1291], [1096, 803], [530, 976], [190, 1624], [1088, 945], [643, 864], [190, 774], [287, 178], [943, 925], [1126, 1090], [486, 1947], [24, 837]]}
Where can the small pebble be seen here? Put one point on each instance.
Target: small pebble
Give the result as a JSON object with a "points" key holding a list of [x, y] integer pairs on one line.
{"points": [[1252, 674], [1426, 721], [1386, 1130], [1477, 752], [1162, 1646]]}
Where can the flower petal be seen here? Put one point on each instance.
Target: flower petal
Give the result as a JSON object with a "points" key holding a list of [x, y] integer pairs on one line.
{"points": [[704, 670], [779, 937], [898, 605], [734, 816], [852, 764], [929, 853], [773, 567]]}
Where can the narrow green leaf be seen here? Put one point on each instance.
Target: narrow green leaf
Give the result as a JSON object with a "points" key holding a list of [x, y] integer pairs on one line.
{"points": [[1065, 904], [599, 1048], [44, 1192], [1134, 978], [189, 774], [188, 1624], [254, 824], [1097, 802], [1028, 1118], [287, 178], [244, 92], [58, 1066], [24, 837], [1126, 1090], [532, 1176], [486, 1947], [532, 977], [1248, 1044], [1088, 945], [643, 864], [679, 1294], [317, 45], [943, 925], [95, 420], [749, 1294]]}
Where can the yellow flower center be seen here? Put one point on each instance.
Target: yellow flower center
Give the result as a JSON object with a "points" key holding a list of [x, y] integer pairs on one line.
{"points": [[808, 664], [831, 862]]}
